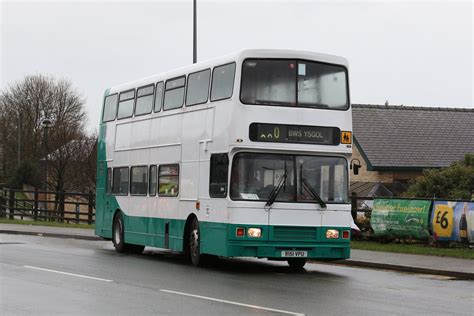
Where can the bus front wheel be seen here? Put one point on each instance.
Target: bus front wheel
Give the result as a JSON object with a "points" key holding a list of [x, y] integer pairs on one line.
{"points": [[193, 243], [296, 264]]}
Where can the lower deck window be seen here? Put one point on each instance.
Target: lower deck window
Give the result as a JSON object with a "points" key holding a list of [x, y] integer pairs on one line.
{"points": [[152, 181], [168, 180], [138, 181], [219, 175], [120, 181]]}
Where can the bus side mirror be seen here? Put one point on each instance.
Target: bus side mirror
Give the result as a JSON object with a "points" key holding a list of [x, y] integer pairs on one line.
{"points": [[355, 166]]}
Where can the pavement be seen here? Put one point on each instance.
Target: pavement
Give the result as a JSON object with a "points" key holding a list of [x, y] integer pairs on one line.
{"points": [[422, 264]]}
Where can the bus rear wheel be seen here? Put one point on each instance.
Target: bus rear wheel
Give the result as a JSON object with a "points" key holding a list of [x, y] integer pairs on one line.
{"points": [[296, 264], [194, 243], [117, 234]]}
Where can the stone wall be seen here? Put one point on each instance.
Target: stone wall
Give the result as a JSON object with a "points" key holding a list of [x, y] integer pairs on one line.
{"points": [[379, 176]]}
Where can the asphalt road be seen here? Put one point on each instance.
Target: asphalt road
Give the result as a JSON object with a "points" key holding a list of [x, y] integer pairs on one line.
{"points": [[40, 275]]}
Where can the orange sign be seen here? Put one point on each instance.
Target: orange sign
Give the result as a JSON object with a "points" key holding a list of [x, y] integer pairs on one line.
{"points": [[346, 137]]}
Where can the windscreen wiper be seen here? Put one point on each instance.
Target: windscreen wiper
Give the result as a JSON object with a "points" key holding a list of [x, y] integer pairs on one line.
{"points": [[313, 193], [273, 195], [315, 105]]}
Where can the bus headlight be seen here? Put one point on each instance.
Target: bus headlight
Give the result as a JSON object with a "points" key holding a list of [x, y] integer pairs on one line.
{"points": [[254, 232], [332, 234]]}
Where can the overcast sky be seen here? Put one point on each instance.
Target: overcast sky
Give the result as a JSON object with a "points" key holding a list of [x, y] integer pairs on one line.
{"points": [[411, 53]]}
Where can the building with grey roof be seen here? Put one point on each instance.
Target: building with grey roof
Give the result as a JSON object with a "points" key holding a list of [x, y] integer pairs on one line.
{"points": [[395, 143]]}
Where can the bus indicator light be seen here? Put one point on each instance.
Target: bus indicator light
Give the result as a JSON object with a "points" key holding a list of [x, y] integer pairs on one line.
{"points": [[240, 232], [345, 234]]}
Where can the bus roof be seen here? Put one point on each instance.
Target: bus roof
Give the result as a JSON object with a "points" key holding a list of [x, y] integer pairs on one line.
{"points": [[233, 57]]}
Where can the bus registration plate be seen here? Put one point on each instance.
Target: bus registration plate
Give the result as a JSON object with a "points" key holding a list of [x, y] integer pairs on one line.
{"points": [[294, 253]]}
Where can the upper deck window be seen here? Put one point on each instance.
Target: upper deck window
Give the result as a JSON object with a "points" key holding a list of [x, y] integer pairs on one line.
{"points": [[125, 107], [198, 87], [144, 100], [281, 82], [110, 108], [159, 96], [174, 93], [222, 82]]}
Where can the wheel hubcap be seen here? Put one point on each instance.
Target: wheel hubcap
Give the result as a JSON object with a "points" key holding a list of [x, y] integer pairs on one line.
{"points": [[194, 243], [118, 229]]}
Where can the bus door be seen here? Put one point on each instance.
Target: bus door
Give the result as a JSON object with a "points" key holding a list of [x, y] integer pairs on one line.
{"points": [[104, 178], [106, 205]]}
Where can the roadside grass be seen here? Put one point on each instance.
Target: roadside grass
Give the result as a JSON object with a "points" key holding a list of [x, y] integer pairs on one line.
{"points": [[41, 223], [415, 249]]}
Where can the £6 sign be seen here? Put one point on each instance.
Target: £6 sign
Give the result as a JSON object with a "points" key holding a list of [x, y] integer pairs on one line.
{"points": [[442, 221]]}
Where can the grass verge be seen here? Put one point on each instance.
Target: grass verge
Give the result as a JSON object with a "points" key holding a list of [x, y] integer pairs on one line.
{"points": [[414, 249], [41, 223]]}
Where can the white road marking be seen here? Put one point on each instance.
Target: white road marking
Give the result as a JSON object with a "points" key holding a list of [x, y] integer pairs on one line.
{"points": [[233, 303], [67, 273]]}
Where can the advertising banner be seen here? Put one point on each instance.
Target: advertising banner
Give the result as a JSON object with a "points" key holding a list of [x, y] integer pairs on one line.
{"points": [[453, 221], [401, 218]]}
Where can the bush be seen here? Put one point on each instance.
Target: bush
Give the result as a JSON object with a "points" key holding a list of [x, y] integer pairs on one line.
{"points": [[453, 182], [24, 174]]}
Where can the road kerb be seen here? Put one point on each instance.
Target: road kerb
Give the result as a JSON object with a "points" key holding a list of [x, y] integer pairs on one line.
{"points": [[401, 268], [45, 234]]}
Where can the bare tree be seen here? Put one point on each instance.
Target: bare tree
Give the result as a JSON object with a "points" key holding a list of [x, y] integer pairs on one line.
{"points": [[23, 107]]}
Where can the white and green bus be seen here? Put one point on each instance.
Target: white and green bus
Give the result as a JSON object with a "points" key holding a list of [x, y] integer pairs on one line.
{"points": [[246, 155]]}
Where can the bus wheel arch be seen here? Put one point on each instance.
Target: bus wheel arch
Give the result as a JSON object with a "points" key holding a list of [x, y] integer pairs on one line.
{"points": [[118, 236]]}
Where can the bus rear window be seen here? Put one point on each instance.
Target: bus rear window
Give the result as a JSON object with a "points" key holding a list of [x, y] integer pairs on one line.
{"points": [[110, 108]]}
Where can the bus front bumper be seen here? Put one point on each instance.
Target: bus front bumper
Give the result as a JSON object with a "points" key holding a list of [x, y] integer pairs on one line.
{"points": [[283, 251]]}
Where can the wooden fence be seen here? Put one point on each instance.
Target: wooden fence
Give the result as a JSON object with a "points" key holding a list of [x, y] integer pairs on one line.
{"points": [[66, 207]]}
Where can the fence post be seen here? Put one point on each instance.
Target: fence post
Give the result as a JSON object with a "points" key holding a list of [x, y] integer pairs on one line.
{"points": [[12, 204], [2, 205], [91, 206], [354, 206], [35, 205], [61, 206], [77, 213]]}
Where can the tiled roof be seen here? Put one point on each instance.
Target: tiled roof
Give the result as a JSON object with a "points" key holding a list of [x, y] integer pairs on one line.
{"points": [[412, 137]]}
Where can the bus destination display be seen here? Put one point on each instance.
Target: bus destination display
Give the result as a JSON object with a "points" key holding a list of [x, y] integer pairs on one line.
{"points": [[281, 133]]}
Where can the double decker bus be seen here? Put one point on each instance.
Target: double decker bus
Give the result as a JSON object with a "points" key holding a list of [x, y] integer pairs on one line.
{"points": [[246, 155]]}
